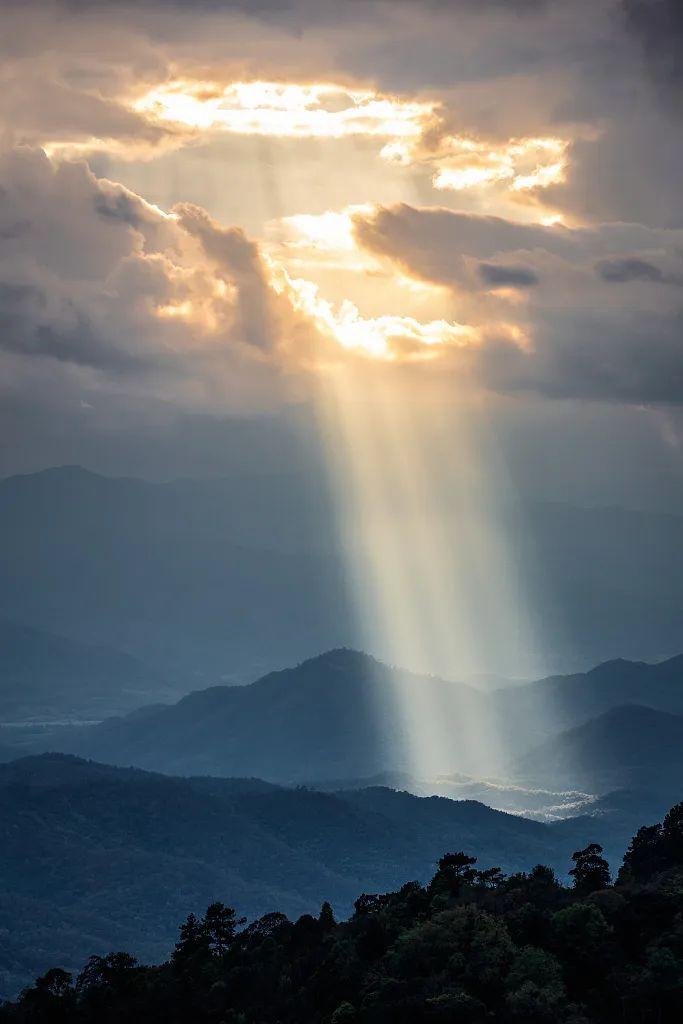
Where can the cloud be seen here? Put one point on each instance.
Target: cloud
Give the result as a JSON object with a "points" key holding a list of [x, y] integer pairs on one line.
{"points": [[574, 335], [432, 242], [498, 275], [97, 281], [621, 271], [630, 269], [658, 26]]}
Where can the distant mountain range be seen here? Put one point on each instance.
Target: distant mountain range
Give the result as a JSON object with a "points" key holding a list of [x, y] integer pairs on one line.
{"points": [[95, 858], [202, 579], [344, 716], [335, 716], [546, 707], [48, 677], [626, 746], [223, 580]]}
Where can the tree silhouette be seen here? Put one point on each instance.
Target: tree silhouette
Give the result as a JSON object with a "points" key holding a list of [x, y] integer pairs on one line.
{"points": [[590, 871], [326, 917], [219, 925], [472, 947], [454, 870]]}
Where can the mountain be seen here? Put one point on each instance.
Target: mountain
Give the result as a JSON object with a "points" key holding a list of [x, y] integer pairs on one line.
{"points": [[544, 707], [472, 945], [48, 677], [339, 715], [532, 801], [226, 579], [94, 858], [198, 578], [344, 716], [626, 746]]}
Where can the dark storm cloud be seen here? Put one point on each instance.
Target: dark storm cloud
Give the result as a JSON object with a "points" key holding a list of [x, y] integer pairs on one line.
{"points": [[118, 206], [621, 271], [628, 166], [432, 242], [512, 276], [584, 337], [595, 356], [658, 26], [25, 329]]}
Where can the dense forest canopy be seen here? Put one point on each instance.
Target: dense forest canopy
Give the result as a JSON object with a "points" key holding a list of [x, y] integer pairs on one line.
{"points": [[473, 945]]}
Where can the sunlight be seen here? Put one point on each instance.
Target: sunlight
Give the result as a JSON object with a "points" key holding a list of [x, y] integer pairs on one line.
{"points": [[419, 496], [320, 110], [388, 337], [523, 163]]}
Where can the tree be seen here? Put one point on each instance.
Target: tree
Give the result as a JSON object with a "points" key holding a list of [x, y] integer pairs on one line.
{"points": [[582, 939], [535, 985], [453, 870], [52, 998], [108, 971], [265, 927], [192, 939], [644, 855], [219, 925], [369, 903], [326, 917], [590, 871], [655, 848], [491, 878], [56, 982], [672, 836]]}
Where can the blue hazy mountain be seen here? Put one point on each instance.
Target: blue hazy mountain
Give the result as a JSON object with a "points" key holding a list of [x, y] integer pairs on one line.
{"points": [[48, 677], [334, 716], [94, 858], [199, 578], [338, 716], [226, 579], [626, 746], [551, 705]]}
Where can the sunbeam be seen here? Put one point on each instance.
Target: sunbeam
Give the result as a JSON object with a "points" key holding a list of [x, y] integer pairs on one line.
{"points": [[422, 531]]}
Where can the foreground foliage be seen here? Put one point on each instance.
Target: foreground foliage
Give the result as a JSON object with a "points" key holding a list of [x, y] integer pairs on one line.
{"points": [[472, 946]]}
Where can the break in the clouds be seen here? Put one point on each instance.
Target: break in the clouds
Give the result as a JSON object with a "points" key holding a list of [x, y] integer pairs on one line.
{"points": [[204, 204], [580, 335]]}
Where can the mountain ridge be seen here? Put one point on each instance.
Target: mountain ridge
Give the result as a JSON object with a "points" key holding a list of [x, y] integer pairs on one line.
{"points": [[45, 675], [199, 578], [627, 744], [95, 857], [345, 715]]}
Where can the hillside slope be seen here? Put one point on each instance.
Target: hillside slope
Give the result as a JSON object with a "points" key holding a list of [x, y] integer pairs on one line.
{"points": [[340, 715], [48, 677], [547, 706], [626, 746], [344, 715], [94, 858], [472, 945]]}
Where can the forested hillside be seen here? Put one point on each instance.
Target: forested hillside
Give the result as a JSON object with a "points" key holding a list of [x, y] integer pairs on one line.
{"points": [[471, 946], [94, 857]]}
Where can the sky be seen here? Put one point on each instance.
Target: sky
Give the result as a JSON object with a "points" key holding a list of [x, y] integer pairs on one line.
{"points": [[221, 223]]}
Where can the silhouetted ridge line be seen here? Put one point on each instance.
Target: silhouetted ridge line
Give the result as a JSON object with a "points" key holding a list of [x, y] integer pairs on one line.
{"points": [[472, 944]]}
